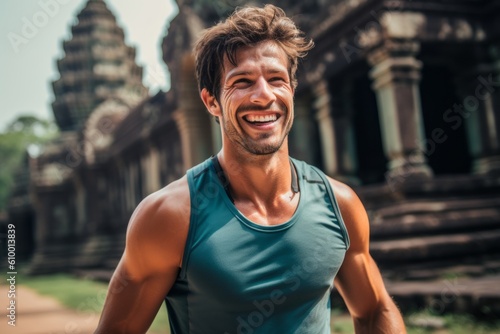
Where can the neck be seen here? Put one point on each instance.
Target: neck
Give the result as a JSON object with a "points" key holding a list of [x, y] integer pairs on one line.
{"points": [[262, 179]]}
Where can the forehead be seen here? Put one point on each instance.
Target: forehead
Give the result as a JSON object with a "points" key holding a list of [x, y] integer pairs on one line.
{"points": [[267, 55]]}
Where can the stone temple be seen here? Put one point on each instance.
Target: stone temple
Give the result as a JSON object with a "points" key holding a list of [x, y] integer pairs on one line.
{"points": [[399, 99]]}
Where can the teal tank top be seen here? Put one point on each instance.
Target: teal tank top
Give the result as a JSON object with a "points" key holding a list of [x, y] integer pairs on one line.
{"points": [[238, 277]]}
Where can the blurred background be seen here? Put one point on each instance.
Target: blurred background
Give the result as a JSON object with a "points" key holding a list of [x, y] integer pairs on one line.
{"points": [[398, 99]]}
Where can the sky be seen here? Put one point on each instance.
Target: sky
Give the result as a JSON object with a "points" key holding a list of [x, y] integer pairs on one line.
{"points": [[32, 32]]}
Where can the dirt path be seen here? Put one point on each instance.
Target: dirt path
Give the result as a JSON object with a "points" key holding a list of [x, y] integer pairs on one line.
{"points": [[37, 314]]}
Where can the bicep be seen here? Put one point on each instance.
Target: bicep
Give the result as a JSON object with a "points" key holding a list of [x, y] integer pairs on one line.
{"points": [[131, 302], [359, 280], [149, 266], [360, 284]]}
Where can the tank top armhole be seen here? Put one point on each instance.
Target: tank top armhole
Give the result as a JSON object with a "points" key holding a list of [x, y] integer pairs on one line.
{"points": [[192, 226], [335, 206]]}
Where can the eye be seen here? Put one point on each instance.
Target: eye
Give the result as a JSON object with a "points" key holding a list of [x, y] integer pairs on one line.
{"points": [[278, 80], [242, 82]]}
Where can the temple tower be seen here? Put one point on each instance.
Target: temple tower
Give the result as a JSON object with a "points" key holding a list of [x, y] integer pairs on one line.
{"points": [[97, 65], [99, 85]]}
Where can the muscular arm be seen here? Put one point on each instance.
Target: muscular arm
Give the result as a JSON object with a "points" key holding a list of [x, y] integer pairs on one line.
{"points": [[156, 237], [359, 281]]}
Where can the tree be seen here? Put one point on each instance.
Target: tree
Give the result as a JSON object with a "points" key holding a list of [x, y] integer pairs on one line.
{"points": [[23, 131]]}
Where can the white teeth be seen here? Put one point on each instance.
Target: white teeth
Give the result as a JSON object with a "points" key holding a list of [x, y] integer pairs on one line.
{"points": [[267, 118]]}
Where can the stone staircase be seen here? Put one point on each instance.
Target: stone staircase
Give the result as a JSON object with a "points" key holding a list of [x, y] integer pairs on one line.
{"points": [[109, 254], [57, 256], [436, 234], [428, 237]]}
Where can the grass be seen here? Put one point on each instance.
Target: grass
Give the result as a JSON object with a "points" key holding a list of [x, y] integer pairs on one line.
{"points": [[78, 294], [82, 295], [341, 323], [85, 295], [454, 324]]}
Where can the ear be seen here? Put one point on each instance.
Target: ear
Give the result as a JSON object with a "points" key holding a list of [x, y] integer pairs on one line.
{"points": [[210, 102]]}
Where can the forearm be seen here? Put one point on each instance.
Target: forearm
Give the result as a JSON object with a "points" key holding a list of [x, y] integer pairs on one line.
{"points": [[386, 320]]}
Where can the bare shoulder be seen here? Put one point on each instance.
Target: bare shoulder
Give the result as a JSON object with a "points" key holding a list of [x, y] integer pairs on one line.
{"points": [[163, 209], [353, 213], [345, 195], [158, 228], [170, 200]]}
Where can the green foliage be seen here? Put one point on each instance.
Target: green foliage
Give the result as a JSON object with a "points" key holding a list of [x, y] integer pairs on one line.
{"points": [[19, 134], [30, 124]]}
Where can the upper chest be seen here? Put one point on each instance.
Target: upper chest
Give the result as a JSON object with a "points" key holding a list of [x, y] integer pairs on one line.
{"points": [[233, 260]]}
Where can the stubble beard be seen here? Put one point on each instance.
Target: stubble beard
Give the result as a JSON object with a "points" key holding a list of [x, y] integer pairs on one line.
{"points": [[248, 145]]}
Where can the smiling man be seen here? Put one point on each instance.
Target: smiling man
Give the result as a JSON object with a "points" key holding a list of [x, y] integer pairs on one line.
{"points": [[251, 240], [257, 95]]}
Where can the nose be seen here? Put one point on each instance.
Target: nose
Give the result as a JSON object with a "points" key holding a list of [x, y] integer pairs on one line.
{"points": [[262, 93]]}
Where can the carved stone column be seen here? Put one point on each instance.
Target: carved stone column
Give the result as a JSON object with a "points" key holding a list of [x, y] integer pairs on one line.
{"points": [[343, 128], [396, 75], [150, 169], [336, 133], [192, 118], [479, 89], [303, 136]]}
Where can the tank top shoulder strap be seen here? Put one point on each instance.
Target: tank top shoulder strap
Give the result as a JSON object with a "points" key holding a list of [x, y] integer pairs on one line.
{"points": [[195, 182], [195, 171], [313, 175]]}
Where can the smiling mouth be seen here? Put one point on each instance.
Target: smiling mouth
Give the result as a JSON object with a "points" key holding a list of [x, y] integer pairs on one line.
{"points": [[261, 119]]}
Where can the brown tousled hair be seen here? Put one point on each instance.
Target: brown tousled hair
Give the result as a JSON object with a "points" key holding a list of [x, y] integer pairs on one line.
{"points": [[247, 26]]}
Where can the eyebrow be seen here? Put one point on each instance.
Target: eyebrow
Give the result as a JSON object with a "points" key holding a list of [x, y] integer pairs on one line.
{"points": [[243, 73], [237, 74]]}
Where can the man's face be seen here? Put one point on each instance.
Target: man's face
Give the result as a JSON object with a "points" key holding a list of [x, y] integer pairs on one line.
{"points": [[256, 99]]}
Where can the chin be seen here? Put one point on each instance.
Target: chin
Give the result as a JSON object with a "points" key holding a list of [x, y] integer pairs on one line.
{"points": [[262, 148], [267, 151]]}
